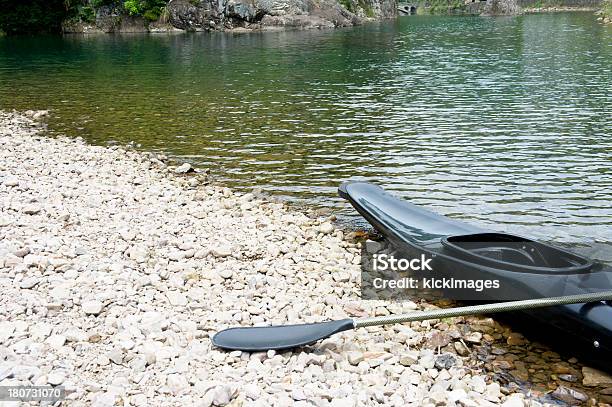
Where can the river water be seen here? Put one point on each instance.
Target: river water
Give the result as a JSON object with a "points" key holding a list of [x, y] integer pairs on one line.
{"points": [[505, 122]]}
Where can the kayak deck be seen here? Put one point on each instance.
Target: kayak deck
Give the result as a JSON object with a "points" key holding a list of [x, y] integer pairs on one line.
{"points": [[585, 328]]}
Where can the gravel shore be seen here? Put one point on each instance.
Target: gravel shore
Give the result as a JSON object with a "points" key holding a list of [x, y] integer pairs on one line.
{"points": [[115, 269]]}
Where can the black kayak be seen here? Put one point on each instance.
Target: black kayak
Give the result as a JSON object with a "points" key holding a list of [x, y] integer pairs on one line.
{"points": [[525, 269]]}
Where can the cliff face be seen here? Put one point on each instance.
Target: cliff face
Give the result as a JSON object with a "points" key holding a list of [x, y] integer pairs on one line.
{"points": [[501, 8], [207, 15]]}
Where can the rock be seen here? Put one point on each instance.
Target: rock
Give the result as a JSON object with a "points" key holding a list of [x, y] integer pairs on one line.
{"points": [[139, 254], [437, 339], [139, 400], [56, 341], [514, 400], [478, 384], [103, 360], [455, 395], [93, 307], [29, 282], [11, 182], [461, 349], [474, 337], [176, 255], [569, 395], [176, 298], [562, 368], [177, 383], [4, 221], [568, 378], [60, 292], [75, 335], [226, 273], [501, 8], [55, 378], [104, 399], [326, 228], [22, 252], [373, 246], [223, 395], [127, 235], [251, 391], [6, 371], [445, 361], [492, 392], [40, 114], [594, 377], [354, 358], [438, 394], [298, 395], [40, 331], [116, 356], [515, 339], [184, 169], [427, 361], [31, 209], [11, 260], [409, 358], [221, 251]]}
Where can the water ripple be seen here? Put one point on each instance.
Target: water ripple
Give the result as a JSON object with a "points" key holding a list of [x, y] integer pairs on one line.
{"points": [[505, 122]]}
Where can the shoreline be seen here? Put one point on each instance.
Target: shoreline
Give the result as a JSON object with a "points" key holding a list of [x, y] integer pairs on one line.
{"points": [[116, 269], [557, 9]]}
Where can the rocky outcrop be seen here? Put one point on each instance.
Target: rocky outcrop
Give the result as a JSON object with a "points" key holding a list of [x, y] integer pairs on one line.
{"points": [[229, 14], [109, 19], [501, 8], [208, 15]]}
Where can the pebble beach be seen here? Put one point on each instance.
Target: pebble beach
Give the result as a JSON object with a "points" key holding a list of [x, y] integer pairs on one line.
{"points": [[116, 268]]}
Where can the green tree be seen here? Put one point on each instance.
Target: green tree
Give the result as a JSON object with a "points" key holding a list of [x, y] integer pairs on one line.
{"points": [[32, 16]]}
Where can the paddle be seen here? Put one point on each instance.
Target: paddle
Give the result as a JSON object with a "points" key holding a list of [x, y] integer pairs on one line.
{"points": [[252, 339]]}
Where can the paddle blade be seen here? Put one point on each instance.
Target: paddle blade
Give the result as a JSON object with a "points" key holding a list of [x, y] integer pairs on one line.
{"points": [[254, 339]]}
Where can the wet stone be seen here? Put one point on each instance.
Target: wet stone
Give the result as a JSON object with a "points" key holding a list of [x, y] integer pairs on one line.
{"points": [[569, 395]]}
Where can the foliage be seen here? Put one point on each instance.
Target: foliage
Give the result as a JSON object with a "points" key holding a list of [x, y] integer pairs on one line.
{"points": [[149, 9], [86, 14], [367, 9], [32, 16], [606, 9], [347, 4], [545, 4], [133, 7], [100, 3], [441, 6], [352, 7]]}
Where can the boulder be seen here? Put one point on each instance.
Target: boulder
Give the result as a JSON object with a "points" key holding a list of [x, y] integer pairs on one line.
{"points": [[594, 377]]}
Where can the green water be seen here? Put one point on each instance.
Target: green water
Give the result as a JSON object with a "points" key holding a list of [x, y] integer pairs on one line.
{"points": [[503, 121]]}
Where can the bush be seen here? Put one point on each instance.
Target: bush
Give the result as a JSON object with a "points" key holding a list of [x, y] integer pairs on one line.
{"points": [[149, 9], [87, 14], [133, 7]]}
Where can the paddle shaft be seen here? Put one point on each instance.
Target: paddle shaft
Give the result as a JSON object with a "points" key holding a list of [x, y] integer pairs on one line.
{"points": [[483, 309]]}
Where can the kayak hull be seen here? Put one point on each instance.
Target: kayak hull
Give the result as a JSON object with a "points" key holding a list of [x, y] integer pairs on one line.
{"points": [[583, 329]]}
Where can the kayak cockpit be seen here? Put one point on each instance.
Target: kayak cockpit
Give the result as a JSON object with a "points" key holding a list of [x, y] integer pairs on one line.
{"points": [[514, 253]]}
